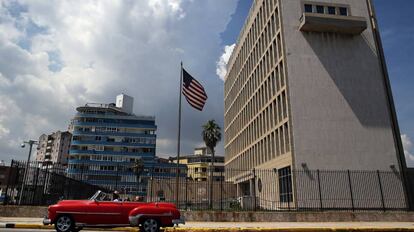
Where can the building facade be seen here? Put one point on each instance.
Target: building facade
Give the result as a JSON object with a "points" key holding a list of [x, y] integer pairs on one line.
{"points": [[54, 148], [199, 165], [114, 148], [307, 89]]}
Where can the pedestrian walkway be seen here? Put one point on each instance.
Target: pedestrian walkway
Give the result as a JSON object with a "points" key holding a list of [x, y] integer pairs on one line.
{"points": [[36, 223]]}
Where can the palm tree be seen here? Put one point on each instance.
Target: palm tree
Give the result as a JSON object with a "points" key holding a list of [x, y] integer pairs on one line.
{"points": [[211, 136]]}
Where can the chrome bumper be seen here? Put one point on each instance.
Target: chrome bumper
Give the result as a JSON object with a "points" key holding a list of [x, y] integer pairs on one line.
{"points": [[47, 221], [178, 221]]}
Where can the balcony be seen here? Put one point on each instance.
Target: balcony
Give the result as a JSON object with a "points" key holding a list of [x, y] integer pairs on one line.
{"points": [[314, 22]]}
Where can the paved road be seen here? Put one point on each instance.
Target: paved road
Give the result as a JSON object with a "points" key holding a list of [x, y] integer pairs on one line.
{"points": [[33, 230]]}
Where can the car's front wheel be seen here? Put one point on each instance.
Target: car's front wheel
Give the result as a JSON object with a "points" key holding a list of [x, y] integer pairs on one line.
{"points": [[64, 223], [150, 225]]}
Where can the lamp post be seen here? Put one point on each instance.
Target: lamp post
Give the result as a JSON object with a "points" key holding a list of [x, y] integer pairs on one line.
{"points": [[30, 142]]}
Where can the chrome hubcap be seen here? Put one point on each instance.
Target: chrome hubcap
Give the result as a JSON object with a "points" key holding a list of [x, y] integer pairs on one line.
{"points": [[64, 223], [150, 225]]}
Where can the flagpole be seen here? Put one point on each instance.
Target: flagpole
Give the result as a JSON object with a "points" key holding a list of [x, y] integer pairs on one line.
{"points": [[177, 179]]}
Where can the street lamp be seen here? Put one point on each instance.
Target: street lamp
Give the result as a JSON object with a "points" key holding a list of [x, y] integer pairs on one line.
{"points": [[23, 145]]}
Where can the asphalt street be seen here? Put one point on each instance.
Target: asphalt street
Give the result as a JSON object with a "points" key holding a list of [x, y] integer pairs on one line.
{"points": [[35, 230]]}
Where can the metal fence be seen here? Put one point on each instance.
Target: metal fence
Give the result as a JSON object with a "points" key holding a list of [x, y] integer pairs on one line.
{"points": [[43, 184], [201, 188]]}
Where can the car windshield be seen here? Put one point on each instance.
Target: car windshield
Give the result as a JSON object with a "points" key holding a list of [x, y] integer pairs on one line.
{"points": [[99, 196]]}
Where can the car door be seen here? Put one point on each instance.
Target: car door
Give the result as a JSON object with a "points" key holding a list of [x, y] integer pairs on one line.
{"points": [[104, 213]]}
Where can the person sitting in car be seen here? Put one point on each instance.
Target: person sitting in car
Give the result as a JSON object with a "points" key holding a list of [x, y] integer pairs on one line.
{"points": [[115, 196]]}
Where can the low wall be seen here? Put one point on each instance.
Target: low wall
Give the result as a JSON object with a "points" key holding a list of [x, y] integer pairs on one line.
{"points": [[217, 216], [23, 211], [328, 216]]}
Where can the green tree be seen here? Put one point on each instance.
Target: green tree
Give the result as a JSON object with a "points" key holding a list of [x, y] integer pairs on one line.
{"points": [[211, 136]]}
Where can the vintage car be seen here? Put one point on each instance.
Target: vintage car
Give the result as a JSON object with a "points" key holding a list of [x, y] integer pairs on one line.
{"points": [[100, 211]]}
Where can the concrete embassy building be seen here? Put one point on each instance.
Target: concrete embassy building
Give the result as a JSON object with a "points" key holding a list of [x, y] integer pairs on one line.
{"points": [[54, 148], [307, 89]]}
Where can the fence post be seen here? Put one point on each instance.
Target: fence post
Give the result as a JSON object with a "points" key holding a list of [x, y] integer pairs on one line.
{"points": [[211, 187], [152, 185], [320, 191], [350, 190], [116, 179], [82, 167], [254, 189], [45, 182], [186, 189], [6, 197], [65, 175], [35, 185], [221, 191], [380, 187]]}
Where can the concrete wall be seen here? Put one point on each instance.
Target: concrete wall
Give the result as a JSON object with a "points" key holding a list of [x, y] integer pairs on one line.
{"points": [[23, 211], [339, 111], [38, 212]]}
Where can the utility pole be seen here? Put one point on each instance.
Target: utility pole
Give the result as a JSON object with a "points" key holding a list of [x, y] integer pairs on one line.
{"points": [[30, 142]]}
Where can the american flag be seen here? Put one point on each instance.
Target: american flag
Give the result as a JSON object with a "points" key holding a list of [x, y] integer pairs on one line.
{"points": [[193, 91]]}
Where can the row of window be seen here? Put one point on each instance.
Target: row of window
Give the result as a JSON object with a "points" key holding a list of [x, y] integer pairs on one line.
{"points": [[271, 89], [103, 158], [205, 170], [251, 84], [119, 168], [255, 98], [101, 111], [250, 53], [93, 148], [115, 139], [111, 120], [274, 144], [205, 160], [251, 37], [269, 118], [114, 129], [323, 9]]}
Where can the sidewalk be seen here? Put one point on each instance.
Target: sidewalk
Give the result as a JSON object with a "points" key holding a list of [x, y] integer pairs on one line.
{"points": [[36, 223]]}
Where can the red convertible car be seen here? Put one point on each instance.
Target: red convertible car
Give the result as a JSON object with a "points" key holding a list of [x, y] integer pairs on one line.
{"points": [[99, 211]]}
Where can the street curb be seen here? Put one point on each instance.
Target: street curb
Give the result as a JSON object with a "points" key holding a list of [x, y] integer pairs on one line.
{"points": [[198, 229], [322, 229], [24, 226], [48, 227]]}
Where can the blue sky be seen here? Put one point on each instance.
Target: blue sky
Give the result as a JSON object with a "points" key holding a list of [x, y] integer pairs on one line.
{"points": [[57, 55]]}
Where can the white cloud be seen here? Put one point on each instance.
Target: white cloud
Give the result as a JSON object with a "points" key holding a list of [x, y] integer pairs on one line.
{"points": [[104, 48], [407, 144], [3, 131], [221, 69]]}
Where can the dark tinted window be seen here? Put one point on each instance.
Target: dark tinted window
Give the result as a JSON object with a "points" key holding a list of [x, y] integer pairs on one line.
{"points": [[308, 8], [285, 185], [343, 11], [331, 10], [319, 9]]}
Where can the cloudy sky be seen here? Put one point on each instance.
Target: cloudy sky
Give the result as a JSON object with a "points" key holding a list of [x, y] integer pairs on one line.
{"points": [[56, 55]]}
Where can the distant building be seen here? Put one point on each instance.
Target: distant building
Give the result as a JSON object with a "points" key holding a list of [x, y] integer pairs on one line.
{"points": [[8, 178], [199, 165], [54, 148], [108, 140]]}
